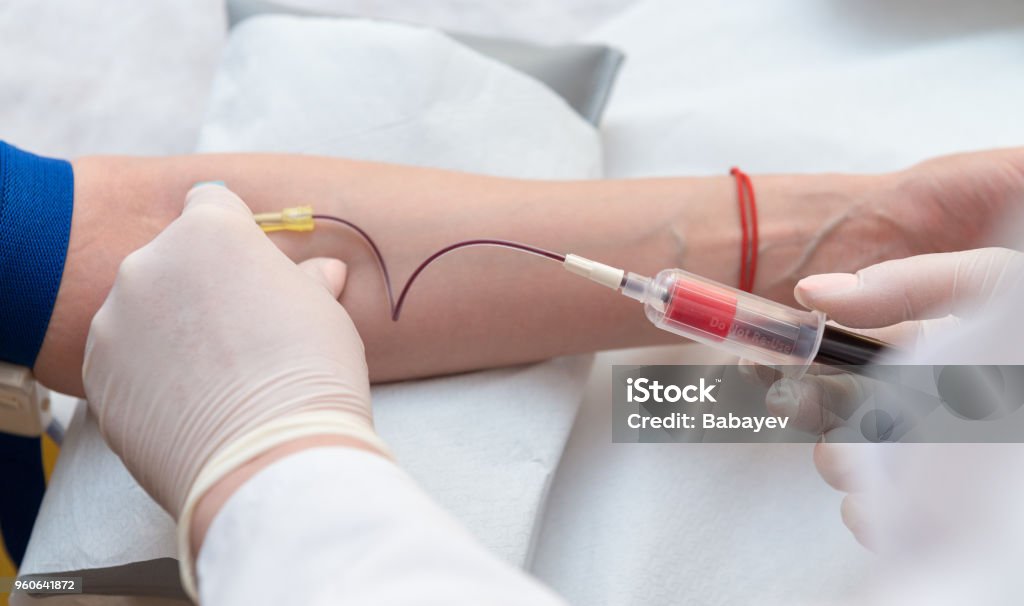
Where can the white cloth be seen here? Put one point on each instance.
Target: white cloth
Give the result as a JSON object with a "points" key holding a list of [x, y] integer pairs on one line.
{"points": [[809, 86], [340, 526], [399, 94], [107, 76], [544, 21]]}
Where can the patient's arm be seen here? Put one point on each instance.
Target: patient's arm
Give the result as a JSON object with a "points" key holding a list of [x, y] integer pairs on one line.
{"points": [[480, 307]]}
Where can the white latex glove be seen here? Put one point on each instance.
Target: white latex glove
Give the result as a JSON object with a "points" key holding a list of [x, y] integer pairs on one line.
{"points": [[904, 301], [213, 347], [927, 291]]}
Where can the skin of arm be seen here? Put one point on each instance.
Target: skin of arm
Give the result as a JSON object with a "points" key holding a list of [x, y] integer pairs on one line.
{"points": [[482, 307]]}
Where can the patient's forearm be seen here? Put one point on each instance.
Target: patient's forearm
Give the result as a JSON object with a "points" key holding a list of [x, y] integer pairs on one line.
{"points": [[476, 308]]}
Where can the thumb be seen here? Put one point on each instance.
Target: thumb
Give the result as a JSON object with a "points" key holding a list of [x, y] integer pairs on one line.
{"points": [[214, 194], [329, 273], [915, 288]]}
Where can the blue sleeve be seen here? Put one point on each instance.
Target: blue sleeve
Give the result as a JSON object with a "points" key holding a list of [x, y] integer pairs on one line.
{"points": [[36, 200]]}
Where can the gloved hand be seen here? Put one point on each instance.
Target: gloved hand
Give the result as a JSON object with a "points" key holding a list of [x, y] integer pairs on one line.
{"points": [[928, 291], [902, 301], [213, 347]]}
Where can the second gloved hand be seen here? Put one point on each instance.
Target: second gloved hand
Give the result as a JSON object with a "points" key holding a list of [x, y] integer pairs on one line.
{"points": [[904, 301]]}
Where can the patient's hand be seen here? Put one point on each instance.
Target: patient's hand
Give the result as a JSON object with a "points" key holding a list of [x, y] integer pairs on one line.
{"points": [[945, 204], [959, 202]]}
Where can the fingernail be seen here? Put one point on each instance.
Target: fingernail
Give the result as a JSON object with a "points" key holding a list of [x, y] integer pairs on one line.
{"points": [[199, 184], [823, 285], [783, 398]]}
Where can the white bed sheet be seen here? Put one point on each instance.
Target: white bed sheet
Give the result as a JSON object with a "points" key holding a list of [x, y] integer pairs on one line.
{"points": [[545, 21], [107, 76]]}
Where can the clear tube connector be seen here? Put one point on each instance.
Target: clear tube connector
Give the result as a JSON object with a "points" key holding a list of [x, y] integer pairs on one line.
{"points": [[728, 319]]}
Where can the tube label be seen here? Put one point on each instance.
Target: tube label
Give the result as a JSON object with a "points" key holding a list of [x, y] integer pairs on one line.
{"points": [[701, 307]]}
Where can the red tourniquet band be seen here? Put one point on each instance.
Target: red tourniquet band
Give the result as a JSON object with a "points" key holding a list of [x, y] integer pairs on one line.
{"points": [[748, 223]]}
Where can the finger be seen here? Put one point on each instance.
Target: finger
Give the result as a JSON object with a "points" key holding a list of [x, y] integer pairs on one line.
{"points": [[214, 195], [843, 466], [904, 334], [757, 374], [329, 273], [915, 288], [212, 213], [816, 403], [853, 511], [766, 376]]}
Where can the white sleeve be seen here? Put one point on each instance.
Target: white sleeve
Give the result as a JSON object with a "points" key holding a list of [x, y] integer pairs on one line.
{"points": [[343, 526]]}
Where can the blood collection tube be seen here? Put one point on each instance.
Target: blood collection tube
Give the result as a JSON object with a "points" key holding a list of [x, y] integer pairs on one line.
{"points": [[746, 325]]}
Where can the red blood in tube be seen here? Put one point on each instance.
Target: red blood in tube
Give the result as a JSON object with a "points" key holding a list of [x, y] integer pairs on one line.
{"points": [[702, 307]]}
